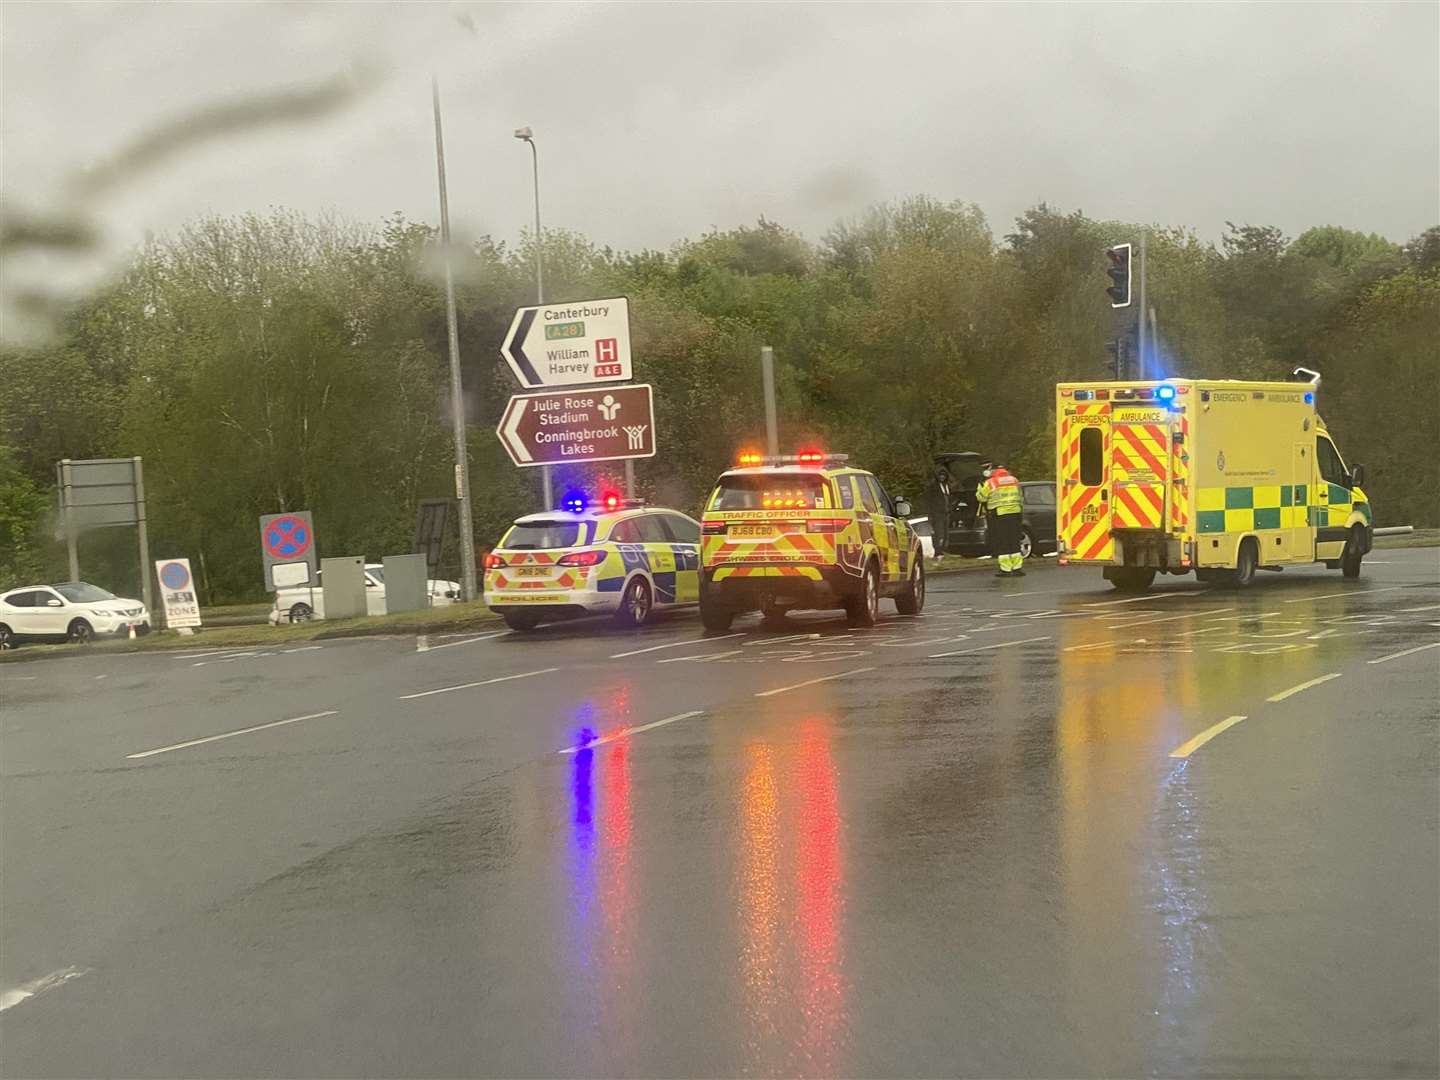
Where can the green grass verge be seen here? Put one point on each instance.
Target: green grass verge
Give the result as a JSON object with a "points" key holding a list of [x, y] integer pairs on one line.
{"points": [[457, 618]]}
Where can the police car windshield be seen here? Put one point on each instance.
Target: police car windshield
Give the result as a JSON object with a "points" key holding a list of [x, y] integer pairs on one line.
{"points": [[541, 535], [779, 490]]}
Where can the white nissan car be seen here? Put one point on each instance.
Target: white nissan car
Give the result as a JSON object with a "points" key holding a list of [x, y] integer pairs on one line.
{"points": [[74, 611], [301, 603]]}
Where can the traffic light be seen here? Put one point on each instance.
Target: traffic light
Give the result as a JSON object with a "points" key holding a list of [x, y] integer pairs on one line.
{"points": [[1115, 359], [1119, 290]]}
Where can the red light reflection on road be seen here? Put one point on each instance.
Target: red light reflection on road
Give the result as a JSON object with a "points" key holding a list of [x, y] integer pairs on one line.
{"points": [[791, 874], [823, 998]]}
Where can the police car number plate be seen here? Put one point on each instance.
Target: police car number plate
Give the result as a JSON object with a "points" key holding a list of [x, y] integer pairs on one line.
{"points": [[751, 530], [533, 571]]}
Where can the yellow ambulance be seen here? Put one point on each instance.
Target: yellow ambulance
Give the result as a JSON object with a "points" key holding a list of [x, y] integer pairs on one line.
{"points": [[1221, 478]]}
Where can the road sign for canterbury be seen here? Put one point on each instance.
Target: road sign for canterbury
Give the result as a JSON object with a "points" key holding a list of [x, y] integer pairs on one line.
{"points": [[579, 425], [587, 341]]}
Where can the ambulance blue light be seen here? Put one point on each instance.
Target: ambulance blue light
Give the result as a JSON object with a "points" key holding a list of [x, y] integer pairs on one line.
{"points": [[1309, 398], [1165, 392]]}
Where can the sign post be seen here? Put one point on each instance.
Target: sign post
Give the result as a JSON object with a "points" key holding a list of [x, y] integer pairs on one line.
{"points": [[177, 593], [99, 493], [571, 426], [584, 342], [287, 548]]}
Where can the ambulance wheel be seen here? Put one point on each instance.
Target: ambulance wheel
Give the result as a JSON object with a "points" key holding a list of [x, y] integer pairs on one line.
{"points": [[1353, 553], [863, 609], [523, 621], [636, 604], [1131, 579], [912, 599], [1027, 544], [1245, 564], [715, 619]]}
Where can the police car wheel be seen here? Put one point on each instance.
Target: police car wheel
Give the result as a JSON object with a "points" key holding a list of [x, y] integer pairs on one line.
{"points": [[636, 603], [521, 620]]}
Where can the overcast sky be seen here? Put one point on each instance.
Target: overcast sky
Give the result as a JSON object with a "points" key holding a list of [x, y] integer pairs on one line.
{"points": [[655, 122]]}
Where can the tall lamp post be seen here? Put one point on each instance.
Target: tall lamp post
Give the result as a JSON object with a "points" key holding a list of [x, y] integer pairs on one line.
{"points": [[457, 394], [524, 134]]}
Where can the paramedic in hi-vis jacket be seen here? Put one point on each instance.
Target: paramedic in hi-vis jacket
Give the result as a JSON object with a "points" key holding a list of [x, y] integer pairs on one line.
{"points": [[998, 495]]}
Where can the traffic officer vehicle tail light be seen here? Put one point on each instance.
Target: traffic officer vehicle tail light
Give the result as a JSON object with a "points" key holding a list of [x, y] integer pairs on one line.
{"points": [[826, 525]]}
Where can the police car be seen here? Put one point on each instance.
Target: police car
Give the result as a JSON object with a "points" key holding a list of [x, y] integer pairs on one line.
{"points": [[806, 531], [621, 558]]}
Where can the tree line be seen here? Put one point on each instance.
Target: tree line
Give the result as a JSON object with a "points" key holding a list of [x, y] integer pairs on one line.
{"points": [[275, 362]]}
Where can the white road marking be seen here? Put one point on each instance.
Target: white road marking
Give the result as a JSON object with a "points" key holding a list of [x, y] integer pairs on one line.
{"points": [[304, 648], [20, 678], [1427, 607], [983, 648], [231, 734], [1167, 618], [231, 659], [482, 682], [99, 677], [35, 987], [1347, 592], [1147, 596], [1407, 652], [812, 682], [672, 645], [623, 732], [700, 658], [1185, 749], [1095, 645], [197, 655], [1303, 686], [467, 641]]}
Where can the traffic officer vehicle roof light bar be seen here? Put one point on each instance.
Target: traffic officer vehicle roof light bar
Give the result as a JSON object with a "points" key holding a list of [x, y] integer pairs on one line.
{"points": [[818, 458], [1119, 290]]}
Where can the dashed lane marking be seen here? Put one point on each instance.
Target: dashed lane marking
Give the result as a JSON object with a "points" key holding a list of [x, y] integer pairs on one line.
{"points": [[1147, 596], [984, 648], [700, 658], [231, 734], [812, 682], [623, 732], [1185, 749], [482, 682], [1407, 652], [1303, 686], [1426, 607], [35, 987], [1167, 618], [467, 641], [1347, 592], [671, 645], [303, 648]]}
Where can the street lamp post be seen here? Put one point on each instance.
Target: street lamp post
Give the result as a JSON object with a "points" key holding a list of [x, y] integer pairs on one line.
{"points": [[524, 134], [468, 583]]}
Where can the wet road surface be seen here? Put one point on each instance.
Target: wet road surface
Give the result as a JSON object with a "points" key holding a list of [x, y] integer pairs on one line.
{"points": [[1028, 833]]}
